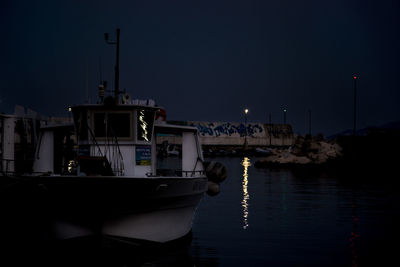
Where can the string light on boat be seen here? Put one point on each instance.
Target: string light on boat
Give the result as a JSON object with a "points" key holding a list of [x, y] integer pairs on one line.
{"points": [[143, 125]]}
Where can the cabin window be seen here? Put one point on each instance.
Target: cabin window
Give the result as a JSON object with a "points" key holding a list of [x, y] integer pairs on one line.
{"points": [[112, 125], [145, 119], [169, 153]]}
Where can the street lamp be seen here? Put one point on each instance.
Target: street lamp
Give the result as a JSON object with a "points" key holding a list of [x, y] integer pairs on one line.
{"points": [[284, 116], [245, 126], [355, 78], [270, 129], [309, 122]]}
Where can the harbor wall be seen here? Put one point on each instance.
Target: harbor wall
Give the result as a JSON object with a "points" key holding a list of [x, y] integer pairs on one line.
{"points": [[234, 134]]}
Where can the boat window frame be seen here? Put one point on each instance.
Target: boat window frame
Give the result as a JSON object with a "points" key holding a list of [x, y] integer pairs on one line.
{"points": [[131, 125]]}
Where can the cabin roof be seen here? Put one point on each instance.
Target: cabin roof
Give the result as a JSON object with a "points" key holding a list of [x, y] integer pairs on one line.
{"points": [[113, 107], [171, 128], [14, 116], [57, 126]]}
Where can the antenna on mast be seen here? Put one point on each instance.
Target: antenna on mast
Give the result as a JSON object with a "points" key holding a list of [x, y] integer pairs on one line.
{"points": [[116, 89], [102, 84], [100, 71]]}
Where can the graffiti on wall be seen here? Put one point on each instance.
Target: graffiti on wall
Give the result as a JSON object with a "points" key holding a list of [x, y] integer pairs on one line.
{"points": [[227, 129], [278, 131]]}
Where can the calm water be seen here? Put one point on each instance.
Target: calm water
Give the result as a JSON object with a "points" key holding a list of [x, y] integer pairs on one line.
{"points": [[268, 217]]}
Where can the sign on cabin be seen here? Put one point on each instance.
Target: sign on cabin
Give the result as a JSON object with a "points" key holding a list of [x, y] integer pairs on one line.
{"points": [[143, 155], [84, 150]]}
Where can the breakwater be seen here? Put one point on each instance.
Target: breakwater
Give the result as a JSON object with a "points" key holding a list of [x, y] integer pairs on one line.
{"points": [[235, 134]]}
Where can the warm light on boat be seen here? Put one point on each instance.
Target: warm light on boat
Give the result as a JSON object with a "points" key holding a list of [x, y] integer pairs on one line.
{"points": [[143, 125]]}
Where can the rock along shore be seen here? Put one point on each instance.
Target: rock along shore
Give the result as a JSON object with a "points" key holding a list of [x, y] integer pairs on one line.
{"points": [[310, 151]]}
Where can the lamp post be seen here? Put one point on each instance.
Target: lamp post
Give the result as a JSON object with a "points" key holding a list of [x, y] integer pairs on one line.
{"points": [[284, 123], [309, 122], [355, 78], [284, 116], [270, 129], [245, 126]]}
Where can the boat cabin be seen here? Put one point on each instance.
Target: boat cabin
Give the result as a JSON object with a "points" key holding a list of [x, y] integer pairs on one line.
{"points": [[18, 135], [114, 140]]}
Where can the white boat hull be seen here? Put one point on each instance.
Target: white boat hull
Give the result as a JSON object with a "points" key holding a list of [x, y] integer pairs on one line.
{"points": [[159, 226], [150, 209]]}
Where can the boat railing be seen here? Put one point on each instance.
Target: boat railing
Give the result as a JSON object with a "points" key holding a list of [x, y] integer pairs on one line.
{"points": [[16, 166], [113, 157], [191, 173], [5, 168], [25, 166], [177, 173]]}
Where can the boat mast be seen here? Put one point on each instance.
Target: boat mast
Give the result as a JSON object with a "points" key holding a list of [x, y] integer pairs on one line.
{"points": [[116, 89], [117, 72]]}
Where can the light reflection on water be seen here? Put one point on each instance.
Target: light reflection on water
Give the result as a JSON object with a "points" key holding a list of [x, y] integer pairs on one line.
{"points": [[297, 219], [245, 163]]}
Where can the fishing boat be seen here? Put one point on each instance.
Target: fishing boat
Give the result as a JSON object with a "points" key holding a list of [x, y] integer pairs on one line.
{"points": [[99, 174], [111, 182]]}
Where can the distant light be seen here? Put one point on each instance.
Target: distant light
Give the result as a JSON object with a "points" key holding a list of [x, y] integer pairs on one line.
{"points": [[246, 111], [355, 77], [69, 109], [284, 110]]}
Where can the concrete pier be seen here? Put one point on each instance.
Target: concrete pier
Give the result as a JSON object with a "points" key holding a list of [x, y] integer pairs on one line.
{"points": [[234, 134]]}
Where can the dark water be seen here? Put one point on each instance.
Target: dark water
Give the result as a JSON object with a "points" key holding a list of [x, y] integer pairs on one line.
{"points": [[277, 218], [261, 217]]}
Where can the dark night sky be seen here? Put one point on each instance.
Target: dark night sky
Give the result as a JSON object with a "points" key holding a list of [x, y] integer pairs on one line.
{"points": [[208, 60]]}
